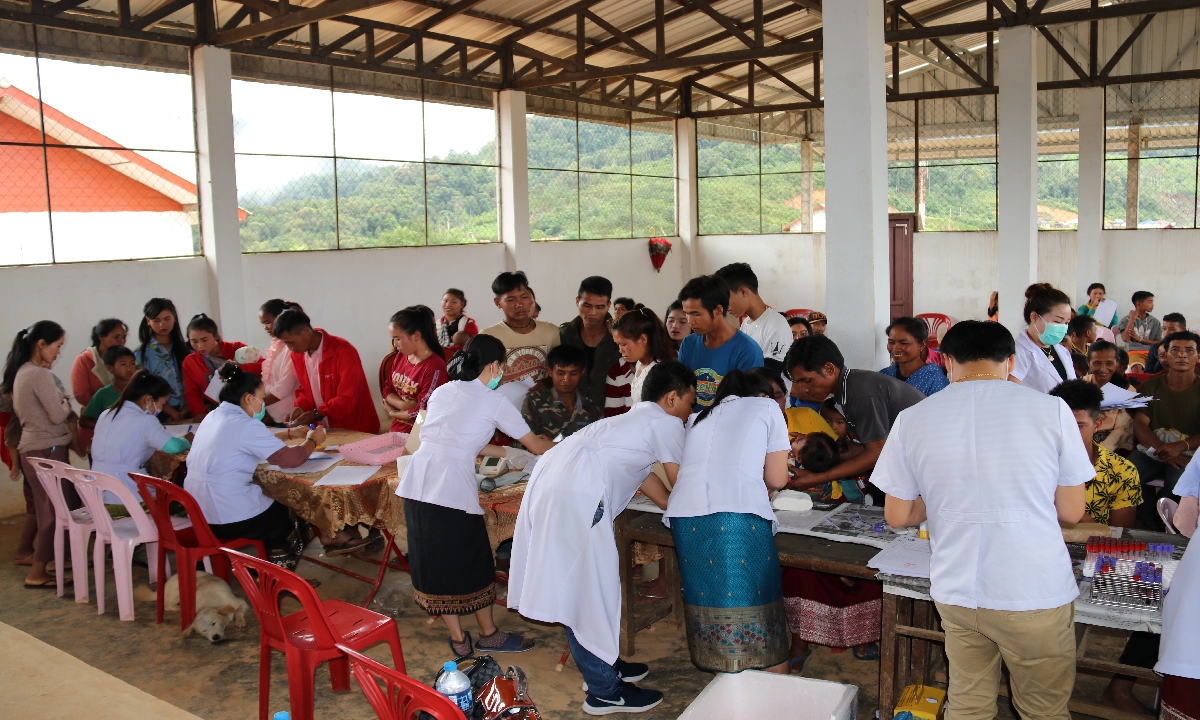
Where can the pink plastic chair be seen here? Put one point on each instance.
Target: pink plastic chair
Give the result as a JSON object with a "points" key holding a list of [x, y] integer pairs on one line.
{"points": [[938, 325], [400, 697], [1166, 512], [1103, 333], [121, 535], [77, 523]]}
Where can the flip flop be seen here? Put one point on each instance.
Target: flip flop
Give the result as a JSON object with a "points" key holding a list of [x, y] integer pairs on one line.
{"points": [[802, 659], [867, 653], [50, 583], [348, 547]]}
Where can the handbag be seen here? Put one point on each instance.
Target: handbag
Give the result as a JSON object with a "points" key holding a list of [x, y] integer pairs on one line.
{"points": [[506, 697]]}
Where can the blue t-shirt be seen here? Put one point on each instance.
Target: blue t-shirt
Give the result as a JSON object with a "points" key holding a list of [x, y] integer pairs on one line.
{"points": [[739, 352]]}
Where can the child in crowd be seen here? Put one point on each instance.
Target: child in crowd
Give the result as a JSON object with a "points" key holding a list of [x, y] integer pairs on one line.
{"points": [[163, 350], [526, 339], [800, 328], [278, 372], [1096, 293], [560, 409], [818, 322], [1119, 379], [677, 324], [121, 365], [418, 367], [1140, 330], [623, 305], [643, 342], [1081, 332], [199, 368], [1156, 357], [455, 328]]}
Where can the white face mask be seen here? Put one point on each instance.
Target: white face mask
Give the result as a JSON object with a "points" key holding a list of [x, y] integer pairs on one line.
{"points": [[152, 410]]}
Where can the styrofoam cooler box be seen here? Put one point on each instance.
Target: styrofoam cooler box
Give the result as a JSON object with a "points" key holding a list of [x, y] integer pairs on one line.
{"points": [[754, 694]]}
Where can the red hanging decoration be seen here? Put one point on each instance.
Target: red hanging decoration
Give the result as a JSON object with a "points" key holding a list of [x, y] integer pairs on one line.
{"points": [[659, 248]]}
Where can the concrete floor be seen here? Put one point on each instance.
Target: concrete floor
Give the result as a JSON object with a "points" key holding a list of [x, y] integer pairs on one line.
{"points": [[220, 682]]}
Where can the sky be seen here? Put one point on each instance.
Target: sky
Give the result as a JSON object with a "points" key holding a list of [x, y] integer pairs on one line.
{"points": [[151, 112]]}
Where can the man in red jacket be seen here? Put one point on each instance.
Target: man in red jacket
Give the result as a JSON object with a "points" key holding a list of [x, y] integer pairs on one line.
{"points": [[340, 397]]}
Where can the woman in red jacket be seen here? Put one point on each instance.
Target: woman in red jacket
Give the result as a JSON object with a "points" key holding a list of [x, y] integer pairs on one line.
{"points": [[333, 387], [209, 353]]}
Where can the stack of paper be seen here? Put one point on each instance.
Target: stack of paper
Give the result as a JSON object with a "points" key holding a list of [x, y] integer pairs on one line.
{"points": [[906, 556], [1116, 398], [347, 476]]}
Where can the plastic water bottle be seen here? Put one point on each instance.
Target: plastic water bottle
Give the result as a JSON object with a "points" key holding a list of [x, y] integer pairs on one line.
{"points": [[455, 685], [282, 715]]}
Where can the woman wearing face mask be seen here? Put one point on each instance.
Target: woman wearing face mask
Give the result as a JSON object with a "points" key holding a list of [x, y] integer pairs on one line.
{"points": [[229, 445], [449, 554], [1042, 363], [128, 433]]}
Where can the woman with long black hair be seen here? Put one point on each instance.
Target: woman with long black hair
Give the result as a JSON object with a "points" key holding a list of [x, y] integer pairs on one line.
{"points": [[418, 367], [163, 349], [453, 571], [43, 408], [724, 529]]}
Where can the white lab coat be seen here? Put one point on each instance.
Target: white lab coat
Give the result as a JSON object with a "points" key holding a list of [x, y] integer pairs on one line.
{"points": [[1181, 623], [1035, 370], [564, 565]]}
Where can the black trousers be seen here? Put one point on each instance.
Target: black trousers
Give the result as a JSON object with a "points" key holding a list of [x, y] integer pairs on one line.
{"points": [[272, 526]]}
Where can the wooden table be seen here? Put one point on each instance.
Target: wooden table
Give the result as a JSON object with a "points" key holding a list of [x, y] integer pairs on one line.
{"points": [[796, 551], [911, 628]]}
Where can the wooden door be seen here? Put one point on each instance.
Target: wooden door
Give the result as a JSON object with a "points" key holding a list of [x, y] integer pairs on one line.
{"points": [[900, 261]]}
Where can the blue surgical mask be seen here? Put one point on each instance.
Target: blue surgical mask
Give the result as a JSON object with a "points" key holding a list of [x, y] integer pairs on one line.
{"points": [[494, 382], [1053, 333], [262, 412]]}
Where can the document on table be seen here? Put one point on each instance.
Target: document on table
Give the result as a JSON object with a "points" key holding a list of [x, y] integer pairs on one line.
{"points": [[179, 430], [317, 462], [347, 475], [907, 556], [645, 504]]}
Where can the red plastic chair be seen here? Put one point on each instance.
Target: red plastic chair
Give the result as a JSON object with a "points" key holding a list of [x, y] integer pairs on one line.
{"points": [[307, 637], [400, 697], [190, 545], [798, 312], [938, 325]]}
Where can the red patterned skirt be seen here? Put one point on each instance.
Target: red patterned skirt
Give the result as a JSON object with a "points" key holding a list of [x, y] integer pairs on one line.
{"points": [[824, 610]]}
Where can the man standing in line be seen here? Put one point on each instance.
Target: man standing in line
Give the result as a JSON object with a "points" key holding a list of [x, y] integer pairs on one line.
{"points": [[767, 327], [715, 347], [590, 333], [993, 467]]}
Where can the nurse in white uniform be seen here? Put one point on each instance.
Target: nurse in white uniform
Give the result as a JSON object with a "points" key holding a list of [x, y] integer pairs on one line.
{"points": [[1041, 362], [449, 556], [565, 567], [724, 529], [1178, 660], [128, 433], [230, 443]]}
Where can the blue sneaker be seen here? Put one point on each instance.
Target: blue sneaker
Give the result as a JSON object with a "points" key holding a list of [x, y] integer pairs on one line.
{"points": [[628, 672], [628, 699]]}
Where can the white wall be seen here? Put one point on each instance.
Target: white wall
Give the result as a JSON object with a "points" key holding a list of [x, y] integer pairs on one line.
{"points": [[559, 266], [1164, 262], [790, 266]]}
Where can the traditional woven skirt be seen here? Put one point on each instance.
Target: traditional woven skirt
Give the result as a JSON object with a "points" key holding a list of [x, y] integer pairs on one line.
{"points": [[453, 571], [1180, 698], [732, 596], [822, 609]]}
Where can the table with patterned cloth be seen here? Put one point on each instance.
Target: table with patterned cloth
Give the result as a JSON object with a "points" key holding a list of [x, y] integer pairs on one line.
{"points": [[374, 503]]}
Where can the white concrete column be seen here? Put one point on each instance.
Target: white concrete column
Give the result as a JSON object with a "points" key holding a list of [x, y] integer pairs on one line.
{"points": [[220, 232], [856, 215], [1017, 248], [514, 180], [1091, 190], [687, 213], [806, 186]]}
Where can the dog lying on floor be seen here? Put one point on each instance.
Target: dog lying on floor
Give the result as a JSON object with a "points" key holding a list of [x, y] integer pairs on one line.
{"points": [[216, 605]]}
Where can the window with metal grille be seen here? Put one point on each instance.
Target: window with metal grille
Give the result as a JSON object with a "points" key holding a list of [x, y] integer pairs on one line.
{"points": [[97, 162], [1150, 154], [761, 173], [597, 172], [412, 163], [1058, 159]]}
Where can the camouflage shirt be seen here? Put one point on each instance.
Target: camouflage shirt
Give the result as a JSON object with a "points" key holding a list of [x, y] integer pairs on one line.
{"points": [[547, 415]]}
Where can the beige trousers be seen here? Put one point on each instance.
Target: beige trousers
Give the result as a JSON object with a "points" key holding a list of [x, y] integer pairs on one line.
{"points": [[1038, 646]]}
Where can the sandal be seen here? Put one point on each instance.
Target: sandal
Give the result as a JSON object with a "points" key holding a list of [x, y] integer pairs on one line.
{"points": [[48, 583], [504, 642], [348, 547], [802, 659], [868, 653], [456, 647]]}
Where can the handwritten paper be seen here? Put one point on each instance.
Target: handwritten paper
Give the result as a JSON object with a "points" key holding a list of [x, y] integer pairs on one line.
{"points": [[179, 430], [347, 476], [906, 556]]}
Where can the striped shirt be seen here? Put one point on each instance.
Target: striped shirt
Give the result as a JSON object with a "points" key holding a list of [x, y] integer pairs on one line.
{"points": [[618, 394]]}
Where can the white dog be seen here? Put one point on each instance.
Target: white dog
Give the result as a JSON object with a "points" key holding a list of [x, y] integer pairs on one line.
{"points": [[216, 605]]}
